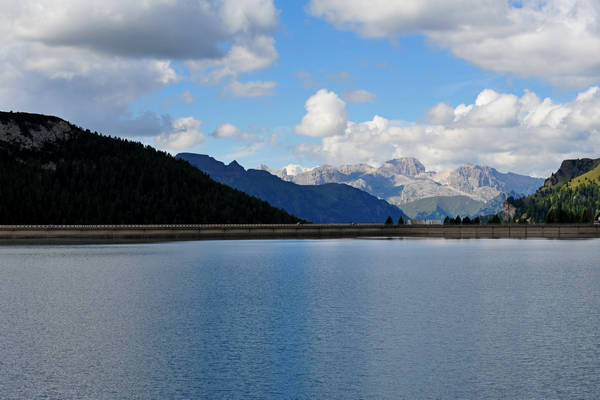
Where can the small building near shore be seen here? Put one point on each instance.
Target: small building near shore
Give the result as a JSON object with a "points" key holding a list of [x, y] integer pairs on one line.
{"points": [[424, 222]]}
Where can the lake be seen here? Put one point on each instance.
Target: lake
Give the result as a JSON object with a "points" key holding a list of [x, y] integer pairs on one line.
{"points": [[304, 319]]}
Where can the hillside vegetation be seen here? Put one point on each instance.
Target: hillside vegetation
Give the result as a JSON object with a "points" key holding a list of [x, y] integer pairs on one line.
{"points": [[52, 172], [590, 176], [572, 194]]}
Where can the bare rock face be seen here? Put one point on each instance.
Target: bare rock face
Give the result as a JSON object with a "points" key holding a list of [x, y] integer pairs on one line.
{"points": [[407, 166], [468, 178], [569, 169], [319, 176], [422, 189], [27, 135], [508, 211]]}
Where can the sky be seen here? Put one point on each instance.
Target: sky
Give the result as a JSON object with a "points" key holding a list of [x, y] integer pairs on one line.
{"points": [[509, 84]]}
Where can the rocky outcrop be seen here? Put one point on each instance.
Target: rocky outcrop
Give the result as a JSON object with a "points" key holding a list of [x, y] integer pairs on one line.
{"points": [[407, 166], [485, 183], [32, 131], [570, 169], [508, 211]]}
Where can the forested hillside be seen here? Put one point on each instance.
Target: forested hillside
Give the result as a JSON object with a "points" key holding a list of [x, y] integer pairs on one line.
{"points": [[52, 172], [572, 194]]}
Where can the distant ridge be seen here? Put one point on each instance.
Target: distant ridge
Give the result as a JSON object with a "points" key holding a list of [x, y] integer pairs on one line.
{"points": [[52, 172], [328, 203]]}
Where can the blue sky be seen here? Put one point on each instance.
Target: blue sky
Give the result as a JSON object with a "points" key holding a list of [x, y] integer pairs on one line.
{"points": [[385, 79]]}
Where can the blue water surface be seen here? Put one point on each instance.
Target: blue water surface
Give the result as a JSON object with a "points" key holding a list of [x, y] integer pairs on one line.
{"points": [[304, 319]]}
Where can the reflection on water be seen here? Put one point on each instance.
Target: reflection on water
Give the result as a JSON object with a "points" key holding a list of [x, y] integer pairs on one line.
{"points": [[302, 319]]}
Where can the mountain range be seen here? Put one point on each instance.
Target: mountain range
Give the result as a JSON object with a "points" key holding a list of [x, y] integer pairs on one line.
{"points": [[53, 172], [320, 203], [467, 190]]}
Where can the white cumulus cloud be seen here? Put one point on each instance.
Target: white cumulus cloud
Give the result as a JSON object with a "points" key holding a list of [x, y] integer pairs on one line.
{"points": [[553, 39], [325, 115], [184, 133], [440, 114], [245, 56], [226, 130], [523, 134]]}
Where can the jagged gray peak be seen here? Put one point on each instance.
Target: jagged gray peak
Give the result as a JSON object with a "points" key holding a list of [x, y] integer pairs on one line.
{"points": [[469, 178], [474, 179], [320, 175], [407, 166]]}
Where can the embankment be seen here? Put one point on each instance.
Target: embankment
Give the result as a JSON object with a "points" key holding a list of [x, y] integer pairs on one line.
{"points": [[141, 233]]}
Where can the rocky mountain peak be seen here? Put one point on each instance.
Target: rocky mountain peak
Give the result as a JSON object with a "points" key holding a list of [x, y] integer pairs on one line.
{"points": [[469, 177], [408, 166], [234, 165]]}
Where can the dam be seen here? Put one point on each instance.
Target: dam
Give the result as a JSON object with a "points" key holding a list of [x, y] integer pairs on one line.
{"points": [[140, 233]]}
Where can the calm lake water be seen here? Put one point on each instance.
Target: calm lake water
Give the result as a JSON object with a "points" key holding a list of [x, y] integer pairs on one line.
{"points": [[326, 319]]}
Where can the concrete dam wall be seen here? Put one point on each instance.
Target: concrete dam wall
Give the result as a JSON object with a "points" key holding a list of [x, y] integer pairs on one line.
{"points": [[135, 233]]}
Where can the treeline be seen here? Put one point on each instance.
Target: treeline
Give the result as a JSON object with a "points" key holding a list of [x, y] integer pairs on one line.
{"points": [[94, 179], [467, 221]]}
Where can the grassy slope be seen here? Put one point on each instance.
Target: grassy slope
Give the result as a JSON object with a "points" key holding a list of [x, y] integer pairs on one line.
{"points": [[590, 176]]}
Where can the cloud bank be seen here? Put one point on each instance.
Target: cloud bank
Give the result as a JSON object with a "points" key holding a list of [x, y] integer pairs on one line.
{"points": [[88, 61], [523, 134], [557, 40]]}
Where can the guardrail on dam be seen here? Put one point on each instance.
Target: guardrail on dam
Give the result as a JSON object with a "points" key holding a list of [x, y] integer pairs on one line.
{"points": [[93, 233]]}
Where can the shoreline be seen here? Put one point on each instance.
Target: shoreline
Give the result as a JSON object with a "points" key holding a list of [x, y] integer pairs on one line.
{"points": [[88, 234]]}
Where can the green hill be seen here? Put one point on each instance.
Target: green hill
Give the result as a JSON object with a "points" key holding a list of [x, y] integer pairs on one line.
{"points": [[572, 194], [52, 172]]}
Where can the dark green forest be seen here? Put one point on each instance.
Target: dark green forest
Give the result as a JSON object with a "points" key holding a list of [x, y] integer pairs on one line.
{"points": [[95, 179]]}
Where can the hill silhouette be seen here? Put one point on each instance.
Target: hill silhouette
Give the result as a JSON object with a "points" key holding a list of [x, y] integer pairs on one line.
{"points": [[52, 172]]}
